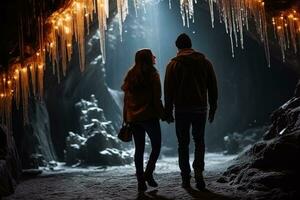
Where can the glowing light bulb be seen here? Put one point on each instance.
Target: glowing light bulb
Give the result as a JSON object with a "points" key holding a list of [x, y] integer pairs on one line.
{"points": [[67, 30], [68, 17]]}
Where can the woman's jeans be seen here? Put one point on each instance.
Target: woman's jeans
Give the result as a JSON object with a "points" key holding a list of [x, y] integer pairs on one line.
{"points": [[152, 127]]}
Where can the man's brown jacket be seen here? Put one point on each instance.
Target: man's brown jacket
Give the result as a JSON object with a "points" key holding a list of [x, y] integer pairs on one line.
{"points": [[190, 79]]}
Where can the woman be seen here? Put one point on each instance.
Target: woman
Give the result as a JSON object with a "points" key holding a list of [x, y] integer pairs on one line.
{"points": [[143, 109]]}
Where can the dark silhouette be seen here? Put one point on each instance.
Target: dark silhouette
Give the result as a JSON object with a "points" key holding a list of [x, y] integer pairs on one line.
{"points": [[3, 144], [142, 109], [189, 78]]}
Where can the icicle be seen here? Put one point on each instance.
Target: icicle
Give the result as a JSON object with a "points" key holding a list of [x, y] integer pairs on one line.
{"points": [[17, 84], [102, 10], [25, 93], [6, 95], [33, 78], [40, 77], [211, 8], [187, 11], [287, 31], [235, 16], [122, 7]]}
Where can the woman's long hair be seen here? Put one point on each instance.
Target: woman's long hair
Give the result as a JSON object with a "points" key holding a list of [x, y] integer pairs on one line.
{"points": [[140, 75]]}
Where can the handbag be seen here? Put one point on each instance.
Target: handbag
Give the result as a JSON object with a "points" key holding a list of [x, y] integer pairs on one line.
{"points": [[125, 133]]}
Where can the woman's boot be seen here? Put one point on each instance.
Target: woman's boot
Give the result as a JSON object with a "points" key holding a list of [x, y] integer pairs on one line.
{"points": [[150, 180], [142, 187]]}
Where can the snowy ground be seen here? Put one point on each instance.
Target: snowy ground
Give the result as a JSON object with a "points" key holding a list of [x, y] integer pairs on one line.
{"points": [[120, 182]]}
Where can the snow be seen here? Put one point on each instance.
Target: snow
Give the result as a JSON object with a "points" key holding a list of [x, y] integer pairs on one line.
{"points": [[76, 146], [282, 131], [119, 182], [213, 162]]}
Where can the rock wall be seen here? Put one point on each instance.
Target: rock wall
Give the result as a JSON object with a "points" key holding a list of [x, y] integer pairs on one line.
{"points": [[97, 142], [10, 166], [33, 140], [270, 169]]}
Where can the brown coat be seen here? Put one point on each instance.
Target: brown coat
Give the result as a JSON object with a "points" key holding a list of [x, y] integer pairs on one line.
{"points": [[189, 78], [145, 104]]}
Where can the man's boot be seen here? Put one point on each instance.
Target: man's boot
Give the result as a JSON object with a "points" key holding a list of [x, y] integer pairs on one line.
{"points": [[186, 181], [200, 184]]}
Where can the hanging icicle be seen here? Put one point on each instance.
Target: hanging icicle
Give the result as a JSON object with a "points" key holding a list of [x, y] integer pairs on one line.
{"points": [[103, 14], [6, 95], [25, 93], [187, 11], [235, 15], [287, 31], [122, 7]]}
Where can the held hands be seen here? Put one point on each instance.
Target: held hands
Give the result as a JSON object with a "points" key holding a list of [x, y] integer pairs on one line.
{"points": [[211, 115], [168, 118]]}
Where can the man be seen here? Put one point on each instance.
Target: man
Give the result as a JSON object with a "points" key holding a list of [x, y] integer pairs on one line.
{"points": [[189, 79]]}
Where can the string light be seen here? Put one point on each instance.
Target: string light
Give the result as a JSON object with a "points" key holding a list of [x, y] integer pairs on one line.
{"points": [[286, 28]]}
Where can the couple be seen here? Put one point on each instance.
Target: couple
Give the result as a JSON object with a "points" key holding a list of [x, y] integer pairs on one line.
{"points": [[189, 78]]}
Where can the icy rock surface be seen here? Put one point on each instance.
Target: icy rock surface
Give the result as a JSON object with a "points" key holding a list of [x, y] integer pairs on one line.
{"points": [[97, 143], [33, 140], [237, 142], [10, 167], [270, 169]]}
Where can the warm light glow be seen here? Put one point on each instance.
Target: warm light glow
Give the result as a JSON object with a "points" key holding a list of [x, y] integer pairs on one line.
{"points": [[235, 16], [287, 31], [67, 30]]}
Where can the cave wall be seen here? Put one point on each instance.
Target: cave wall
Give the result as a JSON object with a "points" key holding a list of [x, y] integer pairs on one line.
{"points": [[61, 97], [10, 165], [33, 139]]}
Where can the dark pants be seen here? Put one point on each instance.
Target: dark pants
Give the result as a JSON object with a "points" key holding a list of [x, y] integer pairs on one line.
{"points": [[152, 127], [185, 120]]}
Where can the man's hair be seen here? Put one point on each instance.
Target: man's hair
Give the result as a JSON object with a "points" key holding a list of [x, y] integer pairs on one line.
{"points": [[183, 41]]}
